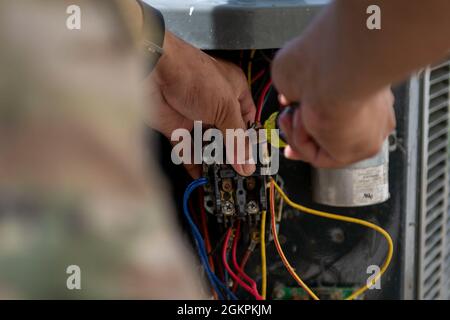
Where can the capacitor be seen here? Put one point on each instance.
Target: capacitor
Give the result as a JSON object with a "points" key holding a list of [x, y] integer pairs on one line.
{"points": [[361, 184]]}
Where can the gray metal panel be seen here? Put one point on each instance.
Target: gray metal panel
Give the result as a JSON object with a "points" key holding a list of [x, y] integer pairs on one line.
{"points": [[433, 269], [410, 223], [238, 24]]}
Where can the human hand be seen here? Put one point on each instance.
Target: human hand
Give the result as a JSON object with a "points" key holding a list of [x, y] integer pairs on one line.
{"points": [[188, 85], [328, 131]]}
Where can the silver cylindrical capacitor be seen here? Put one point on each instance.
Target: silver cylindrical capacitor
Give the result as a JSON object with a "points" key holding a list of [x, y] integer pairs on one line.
{"points": [[364, 183]]}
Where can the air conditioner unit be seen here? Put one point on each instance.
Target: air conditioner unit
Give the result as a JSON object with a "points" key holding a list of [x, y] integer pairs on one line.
{"points": [[417, 213]]}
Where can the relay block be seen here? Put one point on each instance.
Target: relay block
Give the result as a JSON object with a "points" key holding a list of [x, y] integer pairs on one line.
{"points": [[230, 196]]}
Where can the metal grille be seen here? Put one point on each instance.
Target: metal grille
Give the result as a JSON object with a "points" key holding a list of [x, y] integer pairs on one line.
{"points": [[434, 218], [447, 255]]}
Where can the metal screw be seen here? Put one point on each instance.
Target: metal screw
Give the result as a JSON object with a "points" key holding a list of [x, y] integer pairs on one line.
{"points": [[251, 207], [227, 208]]}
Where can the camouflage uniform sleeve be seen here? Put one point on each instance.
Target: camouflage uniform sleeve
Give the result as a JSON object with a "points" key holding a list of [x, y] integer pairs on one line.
{"points": [[81, 206]]}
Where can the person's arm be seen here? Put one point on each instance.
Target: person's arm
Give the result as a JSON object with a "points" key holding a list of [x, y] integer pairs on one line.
{"points": [[188, 85], [132, 12], [340, 71]]}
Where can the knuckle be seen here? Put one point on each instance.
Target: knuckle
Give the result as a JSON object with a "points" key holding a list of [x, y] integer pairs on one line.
{"points": [[191, 96], [219, 110], [223, 111]]}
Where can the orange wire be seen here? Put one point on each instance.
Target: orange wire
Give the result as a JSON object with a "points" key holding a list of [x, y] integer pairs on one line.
{"points": [[286, 263]]}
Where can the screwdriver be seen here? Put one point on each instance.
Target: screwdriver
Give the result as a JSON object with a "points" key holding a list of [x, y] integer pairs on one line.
{"points": [[272, 123]]}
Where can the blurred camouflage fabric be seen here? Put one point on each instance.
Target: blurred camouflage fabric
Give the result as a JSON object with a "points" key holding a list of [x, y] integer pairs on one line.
{"points": [[75, 183]]}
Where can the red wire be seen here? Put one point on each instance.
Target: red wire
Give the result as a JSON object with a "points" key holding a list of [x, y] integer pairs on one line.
{"points": [[244, 261], [205, 229], [252, 291], [258, 75], [261, 100], [241, 272]]}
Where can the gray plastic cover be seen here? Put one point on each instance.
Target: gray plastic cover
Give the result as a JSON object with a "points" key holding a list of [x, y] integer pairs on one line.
{"points": [[237, 24]]}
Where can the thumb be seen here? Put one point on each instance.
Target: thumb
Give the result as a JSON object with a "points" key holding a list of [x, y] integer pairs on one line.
{"points": [[230, 122]]}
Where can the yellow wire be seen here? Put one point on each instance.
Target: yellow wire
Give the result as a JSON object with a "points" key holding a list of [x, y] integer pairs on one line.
{"points": [[286, 263], [263, 255], [249, 71], [364, 223]]}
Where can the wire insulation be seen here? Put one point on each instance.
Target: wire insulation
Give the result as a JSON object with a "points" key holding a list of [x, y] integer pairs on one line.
{"points": [[204, 222], [258, 76], [215, 282], [364, 223], [262, 237], [244, 261], [286, 263], [246, 287], [241, 272], [261, 100], [249, 70]]}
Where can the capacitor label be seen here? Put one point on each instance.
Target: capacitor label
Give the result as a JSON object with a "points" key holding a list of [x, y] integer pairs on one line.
{"points": [[370, 185]]}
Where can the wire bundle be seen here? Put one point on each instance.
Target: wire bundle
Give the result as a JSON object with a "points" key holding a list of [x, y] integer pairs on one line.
{"points": [[252, 288], [327, 215], [249, 284], [214, 280], [240, 277]]}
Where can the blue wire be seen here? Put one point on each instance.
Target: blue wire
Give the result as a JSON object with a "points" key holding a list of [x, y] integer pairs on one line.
{"points": [[215, 281], [195, 233]]}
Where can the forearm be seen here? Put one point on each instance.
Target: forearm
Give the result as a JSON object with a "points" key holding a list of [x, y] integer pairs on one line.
{"points": [[350, 62], [147, 26], [132, 13]]}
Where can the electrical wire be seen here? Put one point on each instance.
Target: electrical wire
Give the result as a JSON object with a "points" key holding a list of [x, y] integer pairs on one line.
{"points": [[258, 76], [215, 282], [261, 100], [333, 216], [246, 287], [196, 218], [206, 236], [286, 263], [249, 69], [262, 237], [244, 261], [205, 230], [241, 272]]}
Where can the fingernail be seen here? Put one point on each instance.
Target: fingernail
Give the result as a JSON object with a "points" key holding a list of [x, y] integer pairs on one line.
{"points": [[239, 169], [248, 168], [288, 152]]}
